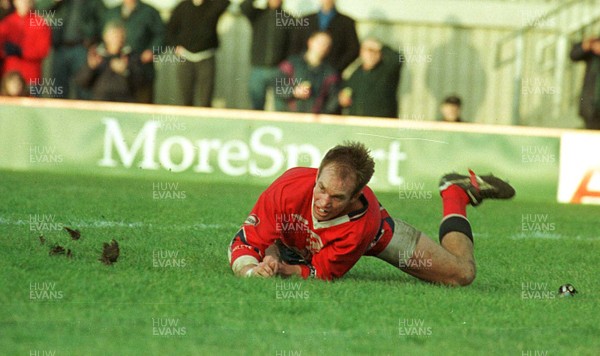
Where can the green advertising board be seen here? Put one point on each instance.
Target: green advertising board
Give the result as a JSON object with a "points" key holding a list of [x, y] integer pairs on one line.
{"points": [[255, 147]]}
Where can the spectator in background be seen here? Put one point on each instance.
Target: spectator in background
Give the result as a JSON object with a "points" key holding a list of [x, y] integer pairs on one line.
{"points": [[13, 84], [80, 27], [270, 45], [371, 89], [112, 73], [24, 42], [344, 46], [307, 83], [589, 104], [192, 29], [6, 8], [145, 34], [450, 109]]}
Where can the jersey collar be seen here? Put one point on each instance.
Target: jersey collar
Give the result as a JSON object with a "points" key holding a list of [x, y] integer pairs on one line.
{"points": [[353, 215]]}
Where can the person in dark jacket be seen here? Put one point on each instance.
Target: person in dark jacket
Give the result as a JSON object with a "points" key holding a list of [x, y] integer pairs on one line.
{"points": [[77, 26], [192, 30], [371, 89], [344, 47], [589, 105], [307, 83], [270, 45], [112, 73], [145, 34]]}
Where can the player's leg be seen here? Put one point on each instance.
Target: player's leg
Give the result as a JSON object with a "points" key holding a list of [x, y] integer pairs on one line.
{"points": [[413, 252], [452, 261]]}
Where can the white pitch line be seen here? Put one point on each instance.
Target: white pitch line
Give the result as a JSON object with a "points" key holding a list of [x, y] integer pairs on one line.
{"points": [[101, 224], [551, 236]]}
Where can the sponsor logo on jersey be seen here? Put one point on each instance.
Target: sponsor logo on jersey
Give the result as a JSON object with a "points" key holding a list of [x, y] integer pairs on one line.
{"points": [[314, 243], [252, 220]]}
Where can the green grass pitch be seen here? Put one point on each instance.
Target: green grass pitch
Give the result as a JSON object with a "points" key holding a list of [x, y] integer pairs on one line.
{"points": [[171, 292]]}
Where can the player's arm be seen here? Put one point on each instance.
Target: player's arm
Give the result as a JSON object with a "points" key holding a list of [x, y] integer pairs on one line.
{"points": [[247, 251], [247, 256]]}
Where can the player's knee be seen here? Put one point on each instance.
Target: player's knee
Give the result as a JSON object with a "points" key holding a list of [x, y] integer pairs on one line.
{"points": [[465, 276]]}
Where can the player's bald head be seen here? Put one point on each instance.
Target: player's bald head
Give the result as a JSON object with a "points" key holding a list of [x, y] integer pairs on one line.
{"points": [[350, 160]]}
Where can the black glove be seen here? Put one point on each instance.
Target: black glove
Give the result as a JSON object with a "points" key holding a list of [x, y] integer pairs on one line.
{"points": [[11, 49]]}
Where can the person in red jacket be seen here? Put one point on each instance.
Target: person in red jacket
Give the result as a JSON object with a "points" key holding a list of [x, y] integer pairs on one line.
{"points": [[24, 42], [317, 223]]}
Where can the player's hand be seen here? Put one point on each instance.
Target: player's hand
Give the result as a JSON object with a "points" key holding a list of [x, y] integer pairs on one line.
{"points": [[286, 270], [263, 269], [272, 262]]}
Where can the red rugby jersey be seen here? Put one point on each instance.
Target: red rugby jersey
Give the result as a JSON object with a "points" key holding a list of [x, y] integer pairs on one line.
{"points": [[284, 211]]}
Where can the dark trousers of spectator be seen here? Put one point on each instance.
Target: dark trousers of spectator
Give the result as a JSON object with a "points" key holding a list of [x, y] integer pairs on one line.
{"points": [[196, 82], [144, 93], [261, 78], [66, 62]]}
